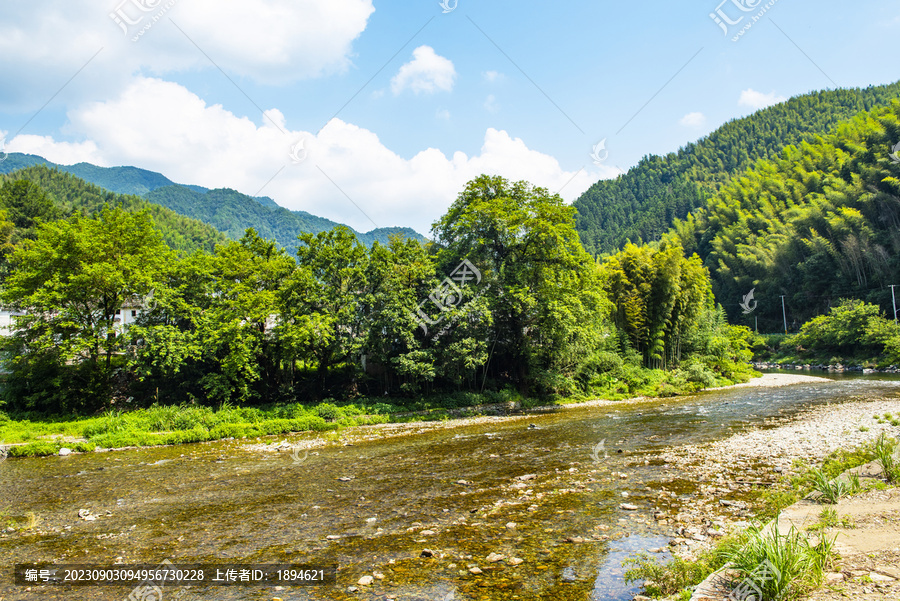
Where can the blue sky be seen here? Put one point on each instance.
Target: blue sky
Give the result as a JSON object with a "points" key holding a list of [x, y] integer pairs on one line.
{"points": [[377, 113]]}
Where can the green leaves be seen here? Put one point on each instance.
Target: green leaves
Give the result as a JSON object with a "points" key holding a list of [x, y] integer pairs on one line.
{"points": [[71, 281]]}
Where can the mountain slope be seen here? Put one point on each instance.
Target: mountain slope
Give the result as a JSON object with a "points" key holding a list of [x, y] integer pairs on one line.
{"points": [[229, 211], [818, 223], [71, 194], [642, 204]]}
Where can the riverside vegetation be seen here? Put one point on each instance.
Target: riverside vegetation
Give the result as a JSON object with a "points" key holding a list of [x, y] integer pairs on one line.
{"points": [[247, 324], [267, 337]]}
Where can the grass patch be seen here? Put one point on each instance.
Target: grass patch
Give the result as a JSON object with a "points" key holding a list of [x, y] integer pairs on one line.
{"points": [[177, 424], [884, 454], [831, 489], [782, 566]]}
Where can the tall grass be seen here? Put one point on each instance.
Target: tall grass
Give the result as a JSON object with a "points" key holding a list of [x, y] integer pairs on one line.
{"points": [[832, 489], [884, 454], [782, 567]]}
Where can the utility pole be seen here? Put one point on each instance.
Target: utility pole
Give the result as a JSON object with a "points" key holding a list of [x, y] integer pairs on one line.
{"points": [[784, 314], [894, 301]]}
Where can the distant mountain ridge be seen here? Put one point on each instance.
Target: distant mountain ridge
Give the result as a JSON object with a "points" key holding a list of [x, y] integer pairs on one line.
{"points": [[229, 211]]}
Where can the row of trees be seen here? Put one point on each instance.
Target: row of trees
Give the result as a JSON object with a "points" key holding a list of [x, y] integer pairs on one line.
{"points": [[505, 296]]}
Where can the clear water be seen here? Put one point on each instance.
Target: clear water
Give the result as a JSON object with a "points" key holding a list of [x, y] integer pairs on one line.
{"points": [[220, 502]]}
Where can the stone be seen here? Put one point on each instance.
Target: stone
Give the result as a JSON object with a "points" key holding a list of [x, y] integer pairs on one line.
{"points": [[365, 581], [476, 570], [833, 577], [514, 561], [64, 451], [526, 477], [628, 507], [378, 575], [511, 525], [427, 533], [333, 537], [495, 557], [426, 553]]}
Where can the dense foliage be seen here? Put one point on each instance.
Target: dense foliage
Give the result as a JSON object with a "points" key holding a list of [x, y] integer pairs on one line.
{"points": [[40, 193], [818, 223], [642, 204], [505, 299]]}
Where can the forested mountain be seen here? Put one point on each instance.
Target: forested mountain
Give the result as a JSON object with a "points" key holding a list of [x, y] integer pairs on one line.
{"points": [[56, 195], [231, 212], [816, 223], [642, 204], [228, 211]]}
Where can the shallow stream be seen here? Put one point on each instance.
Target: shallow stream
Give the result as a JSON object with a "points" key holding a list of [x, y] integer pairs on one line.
{"points": [[376, 505]]}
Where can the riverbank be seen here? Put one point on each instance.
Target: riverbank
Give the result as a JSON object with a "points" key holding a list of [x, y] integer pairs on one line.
{"points": [[763, 462], [161, 426]]}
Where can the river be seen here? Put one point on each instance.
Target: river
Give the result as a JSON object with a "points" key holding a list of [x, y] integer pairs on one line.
{"points": [[546, 489]]}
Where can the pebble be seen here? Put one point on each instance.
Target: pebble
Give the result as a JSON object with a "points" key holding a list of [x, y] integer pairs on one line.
{"points": [[476, 570], [64, 451], [365, 581], [495, 557], [628, 507]]}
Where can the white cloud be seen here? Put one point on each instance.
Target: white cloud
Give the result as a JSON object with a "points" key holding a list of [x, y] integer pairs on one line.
{"points": [[695, 119], [492, 76], [164, 127], [43, 44], [64, 153], [443, 114], [427, 72], [757, 100], [490, 104]]}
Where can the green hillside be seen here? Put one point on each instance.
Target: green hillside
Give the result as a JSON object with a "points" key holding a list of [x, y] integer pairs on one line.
{"points": [[642, 204], [70, 194], [227, 210], [231, 212], [817, 223]]}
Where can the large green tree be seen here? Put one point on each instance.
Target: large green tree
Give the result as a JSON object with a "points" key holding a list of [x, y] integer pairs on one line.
{"points": [[321, 302], [72, 281], [542, 289]]}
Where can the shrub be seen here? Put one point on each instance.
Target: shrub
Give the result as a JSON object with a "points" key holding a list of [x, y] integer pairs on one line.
{"points": [[327, 411]]}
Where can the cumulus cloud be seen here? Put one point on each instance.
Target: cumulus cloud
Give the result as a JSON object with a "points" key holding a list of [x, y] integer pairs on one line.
{"points": [[752, 99], [42, 44], [427, 72], [695, 119], [164, 127]]}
